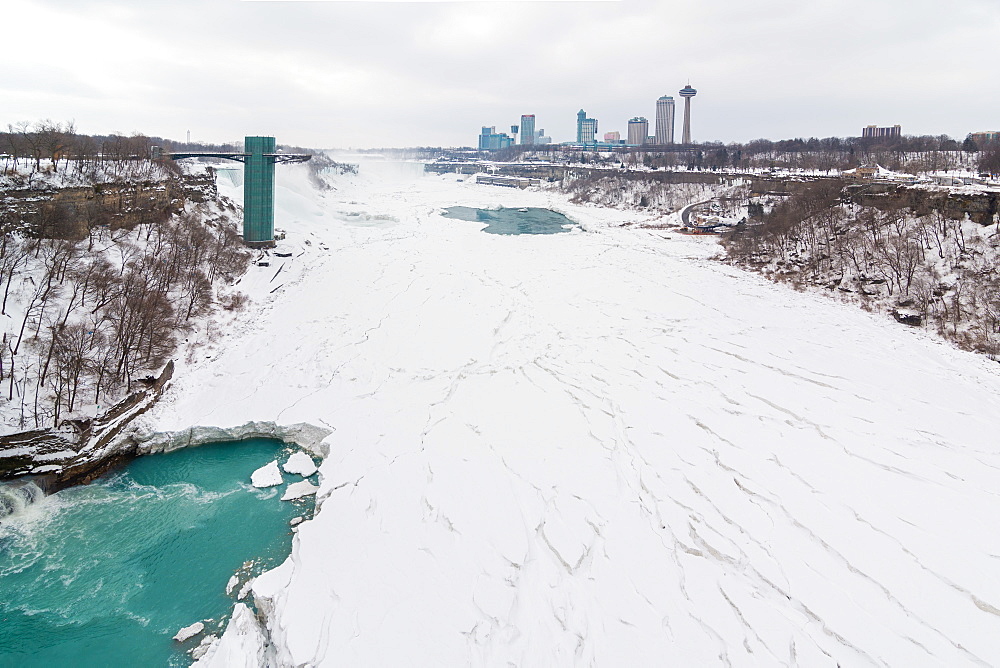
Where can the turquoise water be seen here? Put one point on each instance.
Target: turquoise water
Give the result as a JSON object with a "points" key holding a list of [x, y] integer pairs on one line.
{"points": [[513, 221], [105, 574]]}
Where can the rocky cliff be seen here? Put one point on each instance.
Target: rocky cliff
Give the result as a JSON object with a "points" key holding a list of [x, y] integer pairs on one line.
{"points": [[68, 213], [80, 450]]}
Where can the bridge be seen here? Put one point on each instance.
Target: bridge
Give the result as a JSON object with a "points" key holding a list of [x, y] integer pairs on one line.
{"points": [[259, 158]]}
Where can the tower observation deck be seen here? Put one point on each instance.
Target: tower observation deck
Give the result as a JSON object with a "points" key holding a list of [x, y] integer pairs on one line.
{"points": [[259, 158], [687, 93]]}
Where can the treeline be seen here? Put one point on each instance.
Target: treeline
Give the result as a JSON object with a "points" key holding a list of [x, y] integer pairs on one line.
{"points": [[910, 154], [29, 148], [921, 265], [907, 154], [47, 147], [91, 316]]}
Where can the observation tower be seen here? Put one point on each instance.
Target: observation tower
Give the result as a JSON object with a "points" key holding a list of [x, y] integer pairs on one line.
{"points": [[259, 157], [687, 93]]}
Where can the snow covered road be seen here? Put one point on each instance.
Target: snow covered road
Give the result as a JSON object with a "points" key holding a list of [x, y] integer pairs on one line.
{"points": [[601, 448]]}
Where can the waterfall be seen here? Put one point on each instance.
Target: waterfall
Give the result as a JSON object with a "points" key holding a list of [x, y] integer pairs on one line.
{"points": [[233, 175], [15, 497]]}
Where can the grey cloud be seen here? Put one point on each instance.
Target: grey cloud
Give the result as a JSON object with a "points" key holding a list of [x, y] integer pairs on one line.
{"points": [[356, 73]]}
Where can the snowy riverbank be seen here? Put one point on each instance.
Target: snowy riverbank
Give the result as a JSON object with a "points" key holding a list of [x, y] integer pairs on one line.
{"points": [[596, 448]]}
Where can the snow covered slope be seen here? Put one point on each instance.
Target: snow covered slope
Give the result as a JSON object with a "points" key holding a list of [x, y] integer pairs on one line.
{"points": [[600, 448]]}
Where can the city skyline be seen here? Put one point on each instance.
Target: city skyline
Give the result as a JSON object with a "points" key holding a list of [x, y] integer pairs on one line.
{"points": [[636, 129], [332, 74]]}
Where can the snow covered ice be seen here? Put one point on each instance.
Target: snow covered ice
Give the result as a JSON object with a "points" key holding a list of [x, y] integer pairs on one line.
{"points": [[189, 631], [266, 476], [300, 463], [598, 449], [297, 490], [242, 644]]}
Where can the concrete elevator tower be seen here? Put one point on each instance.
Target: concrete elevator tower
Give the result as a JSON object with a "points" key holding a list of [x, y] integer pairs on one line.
{"points": [[687, 93], [259, 158], [258, 190]]}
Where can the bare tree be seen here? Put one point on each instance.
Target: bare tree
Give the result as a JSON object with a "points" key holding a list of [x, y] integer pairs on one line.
{"points": [[55, 140]]}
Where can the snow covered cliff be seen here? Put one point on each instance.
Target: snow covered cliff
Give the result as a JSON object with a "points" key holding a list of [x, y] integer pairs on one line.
{"points": [[596, 448]]}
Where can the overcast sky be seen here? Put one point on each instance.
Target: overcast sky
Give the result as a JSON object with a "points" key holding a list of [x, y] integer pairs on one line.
{"points": [[366, 74]]}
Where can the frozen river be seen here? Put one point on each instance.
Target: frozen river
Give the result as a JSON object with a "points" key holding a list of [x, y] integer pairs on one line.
{"points": [[598, 448]]}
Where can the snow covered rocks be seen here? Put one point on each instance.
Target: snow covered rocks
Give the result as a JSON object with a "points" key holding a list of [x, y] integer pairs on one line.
{"points": [[300, 463], [266, 476]]}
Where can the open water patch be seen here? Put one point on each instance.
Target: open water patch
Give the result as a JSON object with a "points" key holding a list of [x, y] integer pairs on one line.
{"points": [[105, 574], [526, 220]]}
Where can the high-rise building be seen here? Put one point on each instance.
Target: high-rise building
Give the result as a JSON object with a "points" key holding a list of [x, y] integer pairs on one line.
{"points": [[489, 140], [665, 120], [687, 93], [528, 129], [873, 131], [612, 137], [638, 129], [484, 137], [586, 128]]}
